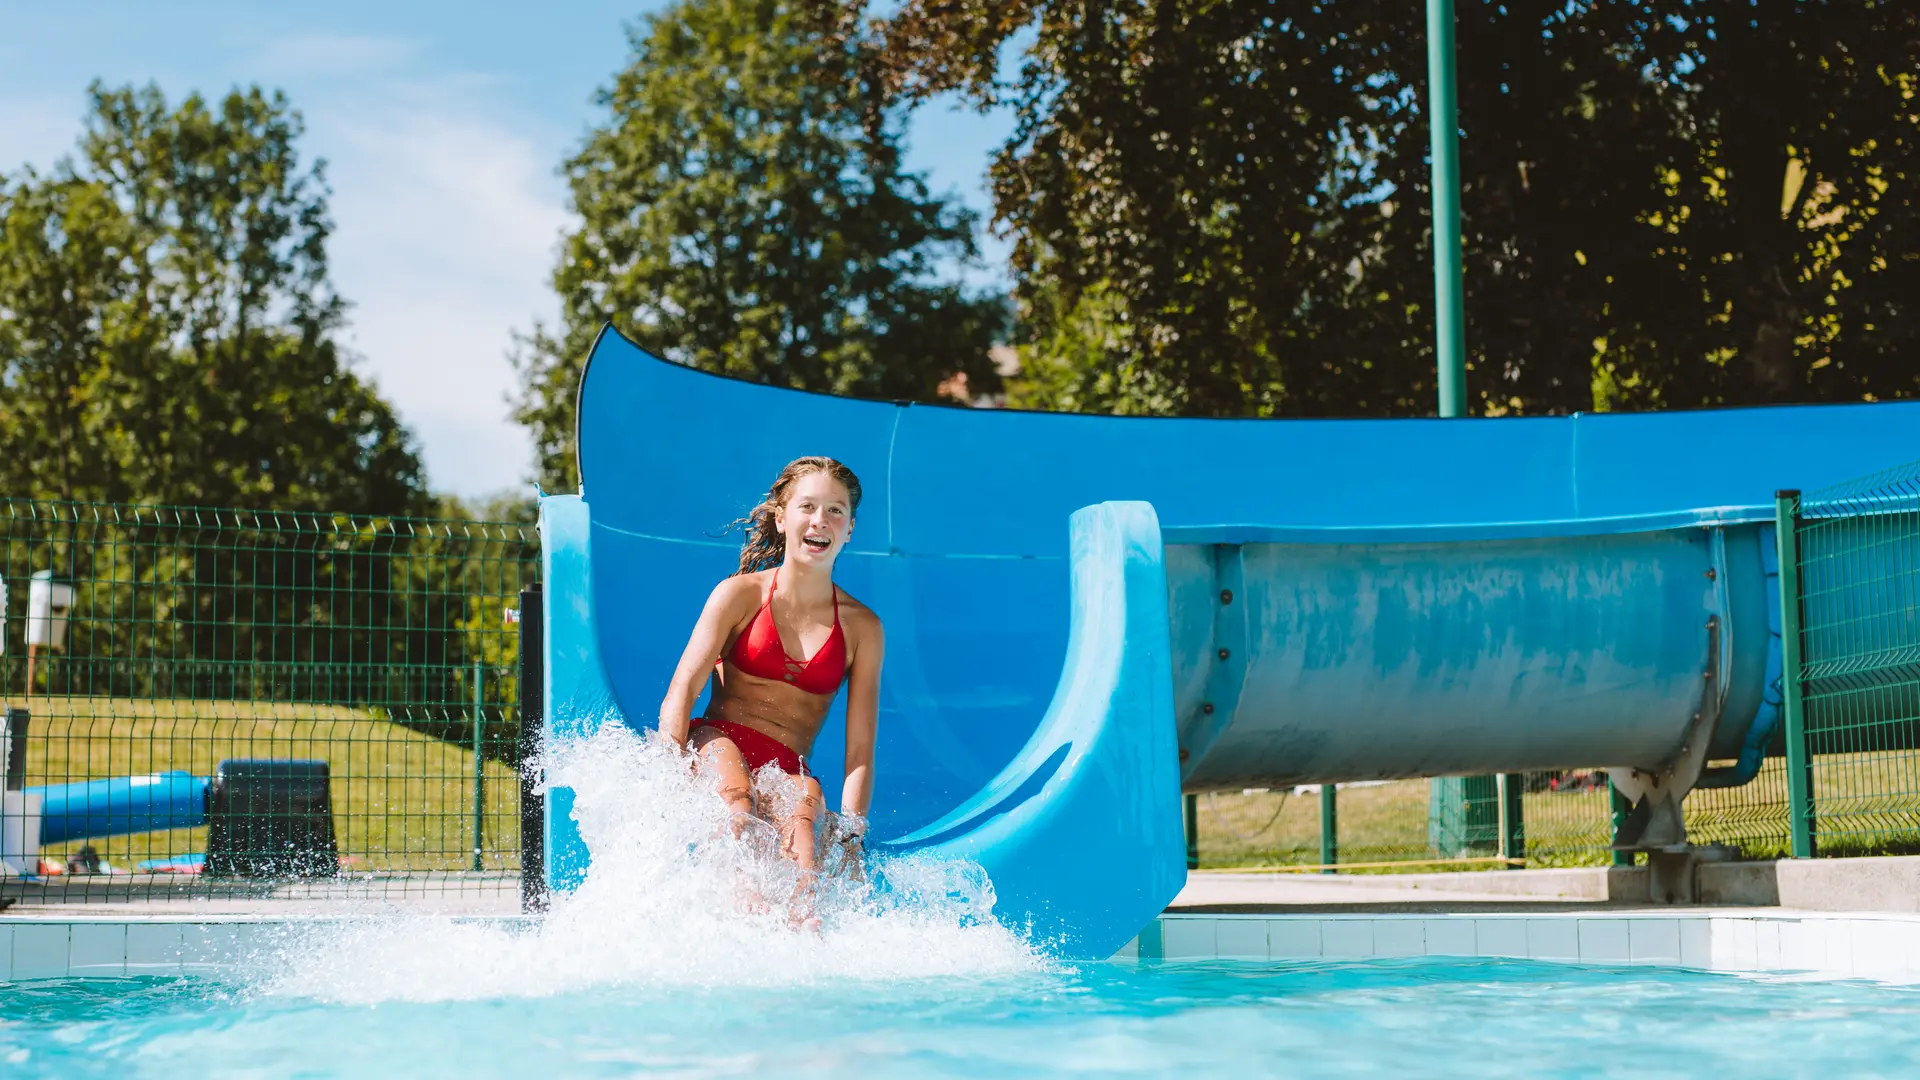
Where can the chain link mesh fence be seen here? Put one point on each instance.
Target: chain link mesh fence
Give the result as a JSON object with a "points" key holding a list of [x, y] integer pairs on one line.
{"points": [[258, 704], [1859, 683]]}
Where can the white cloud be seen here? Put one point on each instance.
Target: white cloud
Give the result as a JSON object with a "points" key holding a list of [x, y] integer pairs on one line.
{"points": [[447, 222]]}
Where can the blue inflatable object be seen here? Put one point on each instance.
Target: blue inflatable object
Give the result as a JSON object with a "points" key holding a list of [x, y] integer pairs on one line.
{"points": [[120, 805], [1345, 599]]}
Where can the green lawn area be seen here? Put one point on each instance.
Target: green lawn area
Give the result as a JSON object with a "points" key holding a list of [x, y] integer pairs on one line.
{"points": [[1386, 823], [401, 800]]}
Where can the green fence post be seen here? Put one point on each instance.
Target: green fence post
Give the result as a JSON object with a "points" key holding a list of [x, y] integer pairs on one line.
{"points": [[1193, 832], [1786, 526], [1329, 827], [479, 765], [1621, 808]]}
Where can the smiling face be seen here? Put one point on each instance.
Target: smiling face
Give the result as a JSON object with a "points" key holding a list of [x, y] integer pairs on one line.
{"points": [[816, 520]]}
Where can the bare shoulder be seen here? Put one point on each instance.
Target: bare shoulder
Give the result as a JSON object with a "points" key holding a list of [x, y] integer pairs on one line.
{"points": [[739, 590], [857, 618]]}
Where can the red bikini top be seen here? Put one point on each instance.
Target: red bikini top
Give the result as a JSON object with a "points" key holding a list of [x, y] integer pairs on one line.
{"points": [[758, 651]]}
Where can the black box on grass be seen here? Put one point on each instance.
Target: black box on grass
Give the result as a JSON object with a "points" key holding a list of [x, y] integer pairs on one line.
{"points": [[270, 819]]}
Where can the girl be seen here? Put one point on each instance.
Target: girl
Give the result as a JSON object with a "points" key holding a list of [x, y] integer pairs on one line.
{"points": [[782, 638]]}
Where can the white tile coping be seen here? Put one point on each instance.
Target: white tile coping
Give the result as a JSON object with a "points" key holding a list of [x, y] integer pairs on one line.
{"points": [[1884, 947], [1835, 945], [39, 947]]}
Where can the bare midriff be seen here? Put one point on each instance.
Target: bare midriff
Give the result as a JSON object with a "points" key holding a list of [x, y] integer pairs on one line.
{"points": [[772, 708]]}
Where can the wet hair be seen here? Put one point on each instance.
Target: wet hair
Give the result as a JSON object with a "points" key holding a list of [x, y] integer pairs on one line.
{"points": [[766, 545]]}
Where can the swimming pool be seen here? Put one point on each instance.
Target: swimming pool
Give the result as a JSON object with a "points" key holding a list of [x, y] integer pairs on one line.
{"points": [[1425, 1018]]}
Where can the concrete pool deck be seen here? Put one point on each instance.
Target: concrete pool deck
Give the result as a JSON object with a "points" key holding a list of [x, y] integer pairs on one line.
{"points": [[1887, 884]]}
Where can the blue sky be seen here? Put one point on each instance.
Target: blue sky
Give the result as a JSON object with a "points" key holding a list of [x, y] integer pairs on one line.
{"points": [[442, 125]]}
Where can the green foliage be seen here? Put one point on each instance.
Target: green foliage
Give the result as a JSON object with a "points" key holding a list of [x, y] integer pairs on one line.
{"points": [[1223, 208], [744, 212], [167, 331]]}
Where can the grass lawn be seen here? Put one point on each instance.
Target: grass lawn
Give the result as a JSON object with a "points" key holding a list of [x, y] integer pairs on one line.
{"points": [[401, 800], [1386, 823], [1865, 804]]}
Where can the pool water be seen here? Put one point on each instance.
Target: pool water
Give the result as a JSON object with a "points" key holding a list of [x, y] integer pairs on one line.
{"points": [[1416, 1018]]}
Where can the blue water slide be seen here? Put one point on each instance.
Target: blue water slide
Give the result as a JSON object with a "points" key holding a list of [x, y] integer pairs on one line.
{"points": [[1407, 597], [121, 805], [1081, 833]]}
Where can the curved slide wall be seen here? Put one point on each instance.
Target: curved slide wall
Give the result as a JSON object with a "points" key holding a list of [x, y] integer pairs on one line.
{"points": [[1550, 573]]}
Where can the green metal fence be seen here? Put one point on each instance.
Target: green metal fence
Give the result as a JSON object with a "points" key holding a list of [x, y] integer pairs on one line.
{"points": [[1551, 818], [1853, 772], [206, 642]]}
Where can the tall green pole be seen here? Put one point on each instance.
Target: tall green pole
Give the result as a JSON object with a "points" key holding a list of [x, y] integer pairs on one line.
{"points": [[479, 767], [1452, 797], [1786, 536], [1449, 321]]}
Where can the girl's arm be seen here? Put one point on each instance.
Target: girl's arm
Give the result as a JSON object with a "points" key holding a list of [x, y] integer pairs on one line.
{"points": [[863, 719], [723, 610]]}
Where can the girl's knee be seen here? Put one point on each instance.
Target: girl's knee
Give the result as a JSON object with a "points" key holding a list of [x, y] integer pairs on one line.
{"points": [[737, 796]]}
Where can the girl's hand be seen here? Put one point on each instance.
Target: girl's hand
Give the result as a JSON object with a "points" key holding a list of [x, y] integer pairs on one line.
{"points": [[850, 835]]}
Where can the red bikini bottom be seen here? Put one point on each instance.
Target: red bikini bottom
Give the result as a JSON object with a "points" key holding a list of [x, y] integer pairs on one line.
{"points": [[756, 747]]}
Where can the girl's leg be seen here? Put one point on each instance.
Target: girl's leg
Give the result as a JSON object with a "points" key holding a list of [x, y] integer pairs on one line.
{"points": [[797, 817], [798, 824], [714, 752]]}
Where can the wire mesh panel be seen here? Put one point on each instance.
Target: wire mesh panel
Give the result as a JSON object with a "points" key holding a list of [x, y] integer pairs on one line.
{"points": [[1859, 680], [1554, 818], [240, 703]]}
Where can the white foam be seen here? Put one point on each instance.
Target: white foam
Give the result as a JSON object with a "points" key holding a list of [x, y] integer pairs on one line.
{"points": [[662, 905]]}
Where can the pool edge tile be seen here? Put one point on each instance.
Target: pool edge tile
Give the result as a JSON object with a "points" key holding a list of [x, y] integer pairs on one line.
{"points": [[1879, 949], [1799, 950], [1451, 937], [1296, 938], [1241, 938], [1400, 937], [1188, 939], [1501, 938], [1766, 945], [1553, 939], [1654, 941], [1604, 941], [1734, 943], [97, 950], [153, 948], [39, 951], [1696, 943], [1346, 939]]}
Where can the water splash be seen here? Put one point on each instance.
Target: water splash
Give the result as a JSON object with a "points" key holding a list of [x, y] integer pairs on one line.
{"points": [[674, 897]]}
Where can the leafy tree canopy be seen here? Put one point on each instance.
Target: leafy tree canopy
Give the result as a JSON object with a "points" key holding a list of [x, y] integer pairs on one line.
{"points": [[167, 330], [1221, 207], [744, 211]]}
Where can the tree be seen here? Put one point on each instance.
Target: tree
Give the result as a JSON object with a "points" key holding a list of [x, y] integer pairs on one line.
{"points": [[1221, 208], [744, 211], [167, 329]]}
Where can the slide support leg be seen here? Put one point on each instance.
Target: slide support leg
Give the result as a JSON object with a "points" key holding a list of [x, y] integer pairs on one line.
{"points": [[1786, 533]]}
